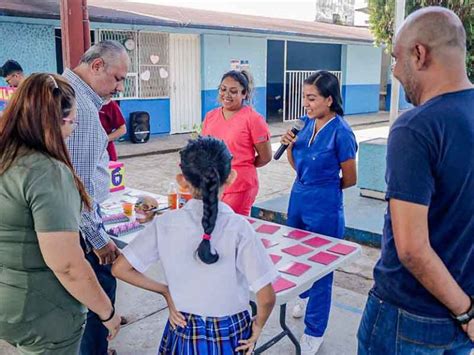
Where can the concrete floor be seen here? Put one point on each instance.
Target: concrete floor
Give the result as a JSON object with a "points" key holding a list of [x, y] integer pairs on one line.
{"points": [[147, 312]]}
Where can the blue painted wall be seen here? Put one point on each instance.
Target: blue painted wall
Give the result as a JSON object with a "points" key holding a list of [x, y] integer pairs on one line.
{"points": [[275, 76], [361, 66], [403, 104], [216, 53], [159, 110], [313, 56], [275, 61], [360, 98], [32, 45], [31, 42]]}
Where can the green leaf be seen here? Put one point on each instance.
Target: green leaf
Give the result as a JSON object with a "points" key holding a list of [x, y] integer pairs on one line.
{"points": [[382, 14]]}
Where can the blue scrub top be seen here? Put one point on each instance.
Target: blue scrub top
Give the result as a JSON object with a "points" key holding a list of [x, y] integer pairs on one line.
{"points": [[319, 162], [316, 196]]}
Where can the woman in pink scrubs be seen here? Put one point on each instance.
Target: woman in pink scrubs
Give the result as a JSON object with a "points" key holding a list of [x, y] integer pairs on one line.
{"points": [[245, 133]]}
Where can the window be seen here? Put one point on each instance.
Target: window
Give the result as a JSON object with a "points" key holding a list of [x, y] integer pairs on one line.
{"points": [[154, 59], [148, 74]]}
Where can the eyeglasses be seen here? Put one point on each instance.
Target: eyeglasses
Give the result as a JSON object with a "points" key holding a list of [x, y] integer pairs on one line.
{"points": [[72, 122], [9, 78], [230, 92]]}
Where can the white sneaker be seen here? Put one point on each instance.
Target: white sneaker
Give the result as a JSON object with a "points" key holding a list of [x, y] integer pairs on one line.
{"points": [[299, 309], [310, 345]]}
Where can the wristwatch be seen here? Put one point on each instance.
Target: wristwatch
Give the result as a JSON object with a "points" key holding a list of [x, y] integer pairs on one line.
{"points": [[466, 317]]}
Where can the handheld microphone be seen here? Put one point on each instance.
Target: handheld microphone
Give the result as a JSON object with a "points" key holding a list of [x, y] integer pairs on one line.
{"points": [[298, 126]]}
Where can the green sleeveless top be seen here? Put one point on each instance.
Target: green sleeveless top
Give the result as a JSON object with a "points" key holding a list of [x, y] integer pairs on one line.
{"points": [[37, 194]]}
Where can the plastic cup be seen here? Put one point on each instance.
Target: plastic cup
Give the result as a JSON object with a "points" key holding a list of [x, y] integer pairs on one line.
{"points": [[127, 208]]}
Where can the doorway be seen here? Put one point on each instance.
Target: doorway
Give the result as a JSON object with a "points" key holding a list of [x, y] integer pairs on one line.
{"points": [[185, 83]]}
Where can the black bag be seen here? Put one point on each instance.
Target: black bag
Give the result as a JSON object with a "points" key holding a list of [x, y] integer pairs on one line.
{"points": [[139, 127]]}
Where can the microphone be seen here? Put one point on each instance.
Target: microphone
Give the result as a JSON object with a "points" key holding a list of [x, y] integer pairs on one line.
{"points": [[299, 124]]}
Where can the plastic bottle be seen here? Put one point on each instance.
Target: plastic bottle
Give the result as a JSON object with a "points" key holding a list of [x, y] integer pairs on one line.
{"points": [[184, 196], [173, 196]]}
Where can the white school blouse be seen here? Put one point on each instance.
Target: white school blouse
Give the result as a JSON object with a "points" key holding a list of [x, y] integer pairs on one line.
{"points": [[215, 290]]}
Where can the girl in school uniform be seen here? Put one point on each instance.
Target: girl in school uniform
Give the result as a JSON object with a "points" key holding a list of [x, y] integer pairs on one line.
{"points": [[210, 256]]}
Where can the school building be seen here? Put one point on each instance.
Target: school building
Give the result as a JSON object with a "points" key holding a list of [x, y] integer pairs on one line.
{"points": [[178, 56]]}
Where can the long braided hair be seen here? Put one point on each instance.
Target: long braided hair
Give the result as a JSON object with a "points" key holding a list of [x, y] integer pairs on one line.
{"points": [[206, 165]]}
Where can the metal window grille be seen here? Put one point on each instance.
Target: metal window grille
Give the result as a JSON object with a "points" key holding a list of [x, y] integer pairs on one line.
{"points": [[131, 81], [293, 107], [148, 74], [153, 64]]}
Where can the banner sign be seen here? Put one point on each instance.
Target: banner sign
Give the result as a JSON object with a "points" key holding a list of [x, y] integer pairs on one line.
{"points": [[6, 93]]}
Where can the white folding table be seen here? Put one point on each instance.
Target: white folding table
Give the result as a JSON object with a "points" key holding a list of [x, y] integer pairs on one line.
{"points": [[303, 282]]}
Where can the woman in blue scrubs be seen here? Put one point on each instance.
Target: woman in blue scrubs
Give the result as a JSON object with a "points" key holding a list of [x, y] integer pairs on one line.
{"points": [[323, 155]]}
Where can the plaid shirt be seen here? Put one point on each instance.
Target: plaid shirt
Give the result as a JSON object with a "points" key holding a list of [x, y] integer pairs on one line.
{"points": [[87, 147]]}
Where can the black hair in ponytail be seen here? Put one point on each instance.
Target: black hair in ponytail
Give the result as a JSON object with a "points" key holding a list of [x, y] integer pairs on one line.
{"points": [[206, 165], [244, 78], [327, 85]]}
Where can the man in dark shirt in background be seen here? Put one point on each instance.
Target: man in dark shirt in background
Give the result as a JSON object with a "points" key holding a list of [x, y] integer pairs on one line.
{"points": [[422, 301]]}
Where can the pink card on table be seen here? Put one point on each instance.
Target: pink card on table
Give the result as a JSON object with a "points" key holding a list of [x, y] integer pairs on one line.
{"points": [[295, 268], [268, 243], [251, 221], [342, 249], [267, 229], [282, 284], [275, 258], [297, 250], [317, 242], [297, 234], [324, 258]]}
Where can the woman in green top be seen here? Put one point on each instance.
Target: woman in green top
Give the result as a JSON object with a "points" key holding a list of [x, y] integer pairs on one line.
{"points": [[44, 278]]}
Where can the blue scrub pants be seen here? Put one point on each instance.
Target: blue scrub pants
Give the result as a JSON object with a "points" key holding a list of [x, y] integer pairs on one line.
{"points": [[318, 307], [327, 220]]}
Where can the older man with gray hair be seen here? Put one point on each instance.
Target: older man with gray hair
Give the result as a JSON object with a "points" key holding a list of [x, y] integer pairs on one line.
{"points": [[422, 300], [100, 73]]}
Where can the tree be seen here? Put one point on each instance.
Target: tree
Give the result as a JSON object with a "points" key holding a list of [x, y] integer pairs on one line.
{"points": [[382, 18]]}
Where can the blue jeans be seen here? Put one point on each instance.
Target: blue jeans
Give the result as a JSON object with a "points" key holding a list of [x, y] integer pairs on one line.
{"points": [[94, 341], [388, 330]]}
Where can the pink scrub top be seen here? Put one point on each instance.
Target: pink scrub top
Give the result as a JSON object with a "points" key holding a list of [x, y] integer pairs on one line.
{"points": [[240, 133]]}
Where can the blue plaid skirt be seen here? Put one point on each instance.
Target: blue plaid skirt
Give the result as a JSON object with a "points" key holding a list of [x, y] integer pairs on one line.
{"points": [[206, 336]]}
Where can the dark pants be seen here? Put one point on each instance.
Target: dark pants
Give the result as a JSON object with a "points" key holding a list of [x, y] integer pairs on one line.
{"points": [[94, 341], [388, 330]]}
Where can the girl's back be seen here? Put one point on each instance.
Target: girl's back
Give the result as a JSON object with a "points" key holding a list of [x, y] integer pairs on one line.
{"points": [[210, 257], [214, 290]]}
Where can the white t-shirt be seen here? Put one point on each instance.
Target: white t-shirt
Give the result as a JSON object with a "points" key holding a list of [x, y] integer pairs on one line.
{"points": [[214, 290]]}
